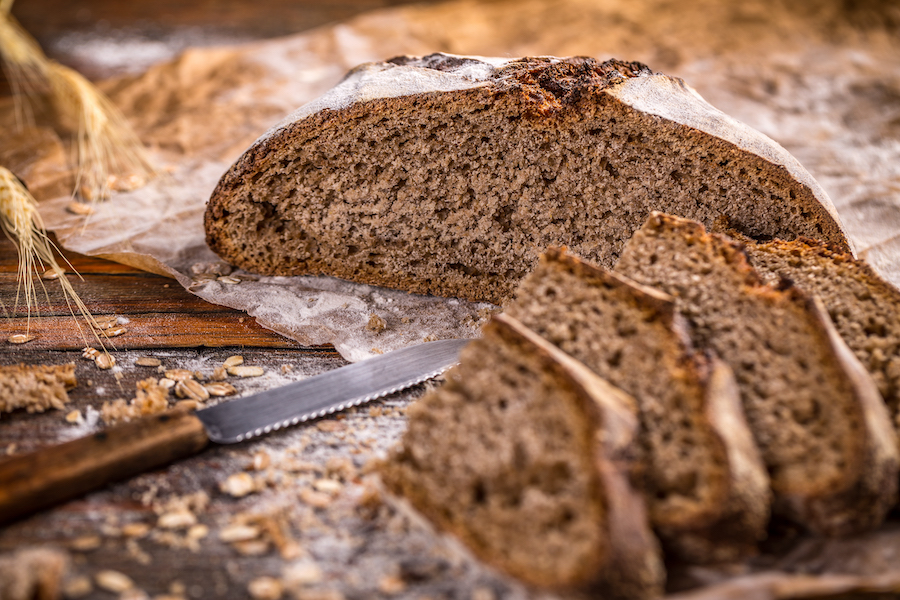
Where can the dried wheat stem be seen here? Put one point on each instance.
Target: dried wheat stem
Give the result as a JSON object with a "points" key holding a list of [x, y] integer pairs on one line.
{"points": [[21, 222]]}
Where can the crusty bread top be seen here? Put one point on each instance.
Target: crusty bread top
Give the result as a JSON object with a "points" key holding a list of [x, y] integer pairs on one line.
{"points": [[549, 79]]}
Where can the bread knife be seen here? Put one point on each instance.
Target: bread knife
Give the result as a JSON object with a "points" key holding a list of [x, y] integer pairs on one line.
{"points": [[31, 482]]}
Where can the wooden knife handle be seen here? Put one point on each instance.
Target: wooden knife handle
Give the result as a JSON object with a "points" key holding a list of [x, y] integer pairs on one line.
{"points": [[51, 475]]}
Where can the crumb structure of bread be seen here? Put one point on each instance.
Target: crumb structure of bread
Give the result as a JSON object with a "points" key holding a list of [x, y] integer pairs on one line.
{"points": [[448, 175], [701, 472], [523, 454], [821, 427], [35, 388], [864, 308]]}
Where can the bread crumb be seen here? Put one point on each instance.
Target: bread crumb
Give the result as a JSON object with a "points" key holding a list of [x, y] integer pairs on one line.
{"points": [[261, 461], [74, 417], [376, 324], [35, 387], [113, 581], [219, 374], [265, 588], [150, 398]]}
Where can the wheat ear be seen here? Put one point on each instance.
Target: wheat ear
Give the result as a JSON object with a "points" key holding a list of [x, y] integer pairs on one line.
{"points": [[21, 222]]}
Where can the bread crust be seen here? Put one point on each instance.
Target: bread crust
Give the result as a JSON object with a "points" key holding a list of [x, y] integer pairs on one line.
{"points": [[550, 98]]}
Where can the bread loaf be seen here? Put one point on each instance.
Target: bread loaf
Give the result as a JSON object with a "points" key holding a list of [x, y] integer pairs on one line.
{"points": [[706, 488], [523, 453], [448, 175], [817, 418]]}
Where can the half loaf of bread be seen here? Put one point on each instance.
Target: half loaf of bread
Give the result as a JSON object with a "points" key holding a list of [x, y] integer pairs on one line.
{"points": [[523, 454], [448, 175], [864, 308], [706, 488], [821, 426]]}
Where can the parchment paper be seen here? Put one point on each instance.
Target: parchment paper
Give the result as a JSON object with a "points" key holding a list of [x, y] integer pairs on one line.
{"points": [[820, 78]]}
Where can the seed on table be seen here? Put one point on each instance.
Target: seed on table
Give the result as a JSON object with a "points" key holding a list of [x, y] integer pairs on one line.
{"points": [[220, 389], [19, 338], [179, 374], [147, 361], [105, 361], [244, 371], [165, 382], [115, 331], [51, 274], [113, 581], [73, 417], [105, 321], [233, 361], [80, 208], [191, 390], [90, 353], [239, 533]]}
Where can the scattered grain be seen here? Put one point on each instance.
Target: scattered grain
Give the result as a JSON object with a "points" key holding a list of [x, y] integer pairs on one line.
{"points": [[233, 361], [19, 338], [89, 353], [239, 533], [330, 425], [285, 369], [220, 389], [302, 573], [391, 585], [115, 332], [134, 594], [166, 383], [135, 530], [52, 274], [179, 374], [85, 543], [261, 461], [192, 390], [113, 581], [198, 532], [227, 279], [238, 485], [77, 587], [328, 486], [74, 417], [252, 547], [314, 498], [181, 519], [242, 371], [188, 405], [147, 361], [105, 322], [80, 208], [219, 374], [105, 361], [265, 588]]}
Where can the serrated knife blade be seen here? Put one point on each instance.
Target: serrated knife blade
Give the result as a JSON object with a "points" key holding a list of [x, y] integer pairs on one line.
{"points": [[31, 482], [330, 392]]}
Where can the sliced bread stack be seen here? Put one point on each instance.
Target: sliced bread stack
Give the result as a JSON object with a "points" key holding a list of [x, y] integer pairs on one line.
{"points": [[706, 489], [864, 308], [823, 430], [524, 454]]}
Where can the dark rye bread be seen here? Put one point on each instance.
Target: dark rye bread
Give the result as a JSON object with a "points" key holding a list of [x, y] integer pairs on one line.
{"points": [[448, 175], [864, 308], [823, 431], [706, 488], [523, 454]]}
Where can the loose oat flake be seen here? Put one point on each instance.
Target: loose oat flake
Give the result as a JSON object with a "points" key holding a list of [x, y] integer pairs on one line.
{"points": [[147, 361], [243, 371], [20, 338]]}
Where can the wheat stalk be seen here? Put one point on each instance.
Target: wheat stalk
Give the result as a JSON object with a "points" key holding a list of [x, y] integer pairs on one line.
{"points": [[108, 153], [21, 222]]}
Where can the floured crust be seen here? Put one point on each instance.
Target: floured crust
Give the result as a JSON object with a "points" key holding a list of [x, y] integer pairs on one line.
{"points": [[446, 175]]}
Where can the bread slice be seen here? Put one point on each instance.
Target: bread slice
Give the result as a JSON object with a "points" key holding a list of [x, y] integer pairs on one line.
{"points": [[523, 454], [707, 491], [864, 308], [822, 429], [448, 175]]}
